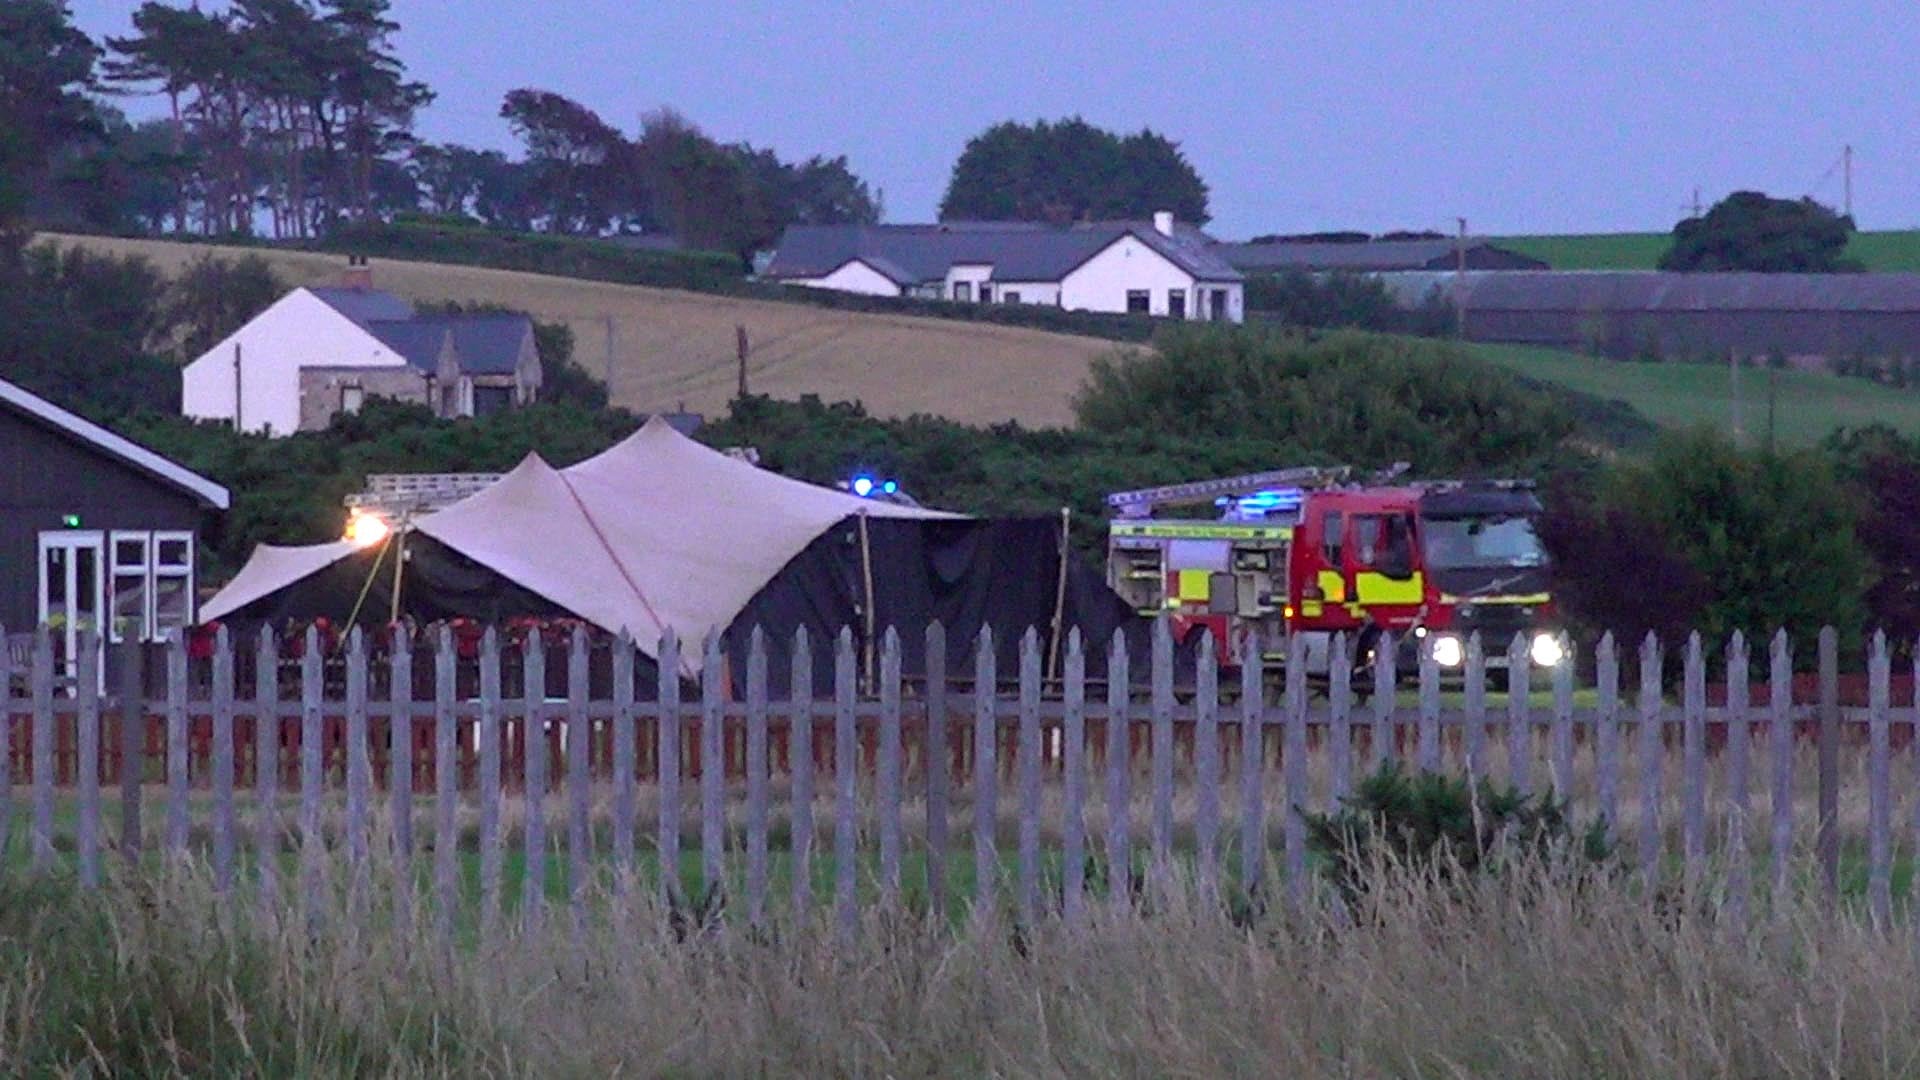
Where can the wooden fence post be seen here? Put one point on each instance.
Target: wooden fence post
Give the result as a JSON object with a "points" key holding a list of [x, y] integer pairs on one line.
{"points": [[132, 656], [1476, 708], [1295, 769], [1739, 767], [223, 831], [446, 779], [1780, 738], [713, 766], [1562, 778], [757, 778], [1652, 749], [938, 766], [266, 767], [177, 694], [1606, 739], [846, 775], [1253, 721], [359, 769], [312, 734], [1693, 811], [1162, 838], [667, 841], [487, 734], [892, 753], [1119, 773], [1028, 893], [1520, 714], [986, 858], [88, 766], [625, 752], [42, 680], [533, 790], [400, 763], [579, 778], [1829, 825], [1879, 785], [1429, 707], [1386, 686], [800, 721], [1340, 720], [1206, 769], [1073, 825]]}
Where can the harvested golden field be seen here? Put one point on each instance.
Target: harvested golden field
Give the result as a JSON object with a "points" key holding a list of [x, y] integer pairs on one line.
{"points": [[671, 349]]}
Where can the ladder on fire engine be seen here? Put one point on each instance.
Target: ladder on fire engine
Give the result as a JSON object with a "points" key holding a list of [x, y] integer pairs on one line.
{"points": [[1141, 503]]}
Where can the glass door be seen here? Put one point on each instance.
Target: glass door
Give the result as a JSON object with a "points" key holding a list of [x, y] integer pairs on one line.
{"points": [[72, 595]]}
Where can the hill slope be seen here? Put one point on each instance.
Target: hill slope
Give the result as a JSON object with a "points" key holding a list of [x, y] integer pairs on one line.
{"points": [[1887, 251], [671, 348], [1806, 405]]}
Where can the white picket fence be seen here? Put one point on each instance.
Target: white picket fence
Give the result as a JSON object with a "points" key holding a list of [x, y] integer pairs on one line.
{"points": [[1218, 772]]}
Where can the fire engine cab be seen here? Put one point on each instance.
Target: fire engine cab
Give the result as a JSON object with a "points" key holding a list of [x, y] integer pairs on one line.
{"points": [[1306, 552]]}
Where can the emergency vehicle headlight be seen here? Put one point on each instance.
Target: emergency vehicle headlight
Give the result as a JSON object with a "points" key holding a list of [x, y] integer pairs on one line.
{"points": [[367, 530], [1448, 651], [1546, 651]]}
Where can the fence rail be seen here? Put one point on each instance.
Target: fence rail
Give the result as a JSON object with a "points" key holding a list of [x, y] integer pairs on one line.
{"points": [[228, 738]]}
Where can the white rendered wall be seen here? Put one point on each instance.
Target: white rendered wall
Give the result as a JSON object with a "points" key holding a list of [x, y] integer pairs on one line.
{"points": [[298, 331], [854, 277]]}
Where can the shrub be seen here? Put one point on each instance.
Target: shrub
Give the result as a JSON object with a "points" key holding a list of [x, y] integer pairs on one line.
{"points": [[1442, 828]]}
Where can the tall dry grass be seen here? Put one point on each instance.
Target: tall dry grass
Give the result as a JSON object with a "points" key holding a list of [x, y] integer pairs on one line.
{"points": [[1550, 972]]}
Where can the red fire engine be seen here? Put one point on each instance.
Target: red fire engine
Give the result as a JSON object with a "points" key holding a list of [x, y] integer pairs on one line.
{"points": [[1308, 552]]}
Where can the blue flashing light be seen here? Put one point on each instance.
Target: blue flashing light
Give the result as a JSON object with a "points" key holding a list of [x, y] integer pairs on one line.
{"points": [[863, 486], [1272, 499], [890, 487]]}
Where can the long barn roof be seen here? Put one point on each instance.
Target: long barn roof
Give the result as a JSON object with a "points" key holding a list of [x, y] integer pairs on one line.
{"points": [[1652, 290]]}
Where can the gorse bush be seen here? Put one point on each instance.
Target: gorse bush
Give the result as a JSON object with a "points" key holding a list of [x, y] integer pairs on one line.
{"points": [[1440, 827]]}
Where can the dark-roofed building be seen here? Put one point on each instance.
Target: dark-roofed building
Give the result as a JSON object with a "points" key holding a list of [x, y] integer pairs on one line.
{"points": [[323, 350], [97, 533], [1373, 256], [1804, 317], [1159, 267]]}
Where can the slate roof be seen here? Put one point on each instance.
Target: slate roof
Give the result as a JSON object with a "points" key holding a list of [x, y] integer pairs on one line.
{"points": [[486, 344], [363, 305], [1654, 290], [1369, 257], [1018, 251]]}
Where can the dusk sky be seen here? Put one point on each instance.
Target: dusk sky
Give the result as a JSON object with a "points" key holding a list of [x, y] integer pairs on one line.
{"points": [[1522, 117]]}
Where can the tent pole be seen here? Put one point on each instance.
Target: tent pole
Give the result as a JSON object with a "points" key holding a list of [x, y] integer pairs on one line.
{"points": [[399, 560], [866, 572], [367, 585], [1060, 595]]}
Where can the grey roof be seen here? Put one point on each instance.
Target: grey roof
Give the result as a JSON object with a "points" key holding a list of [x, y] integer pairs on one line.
{"points": [[418, 341], [1653, 290], [1371, 256], [171, 472], [363, 305], [482, 344], [1017, 251]]}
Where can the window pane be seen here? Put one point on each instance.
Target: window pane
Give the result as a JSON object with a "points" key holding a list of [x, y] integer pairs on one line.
{"points": [[171, 603], [1366, 539], [1330, 541], [129, 606], [130, 553], [175, 554]]}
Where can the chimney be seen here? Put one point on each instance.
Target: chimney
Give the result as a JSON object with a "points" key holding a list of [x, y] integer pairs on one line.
{"points": [[357, 275], [1163, 222]]}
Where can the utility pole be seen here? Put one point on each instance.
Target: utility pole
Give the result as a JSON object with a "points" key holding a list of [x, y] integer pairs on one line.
{"points": [[742, 348], [1460, 280], [1846, 174], [609, 380], [1733, 378]]}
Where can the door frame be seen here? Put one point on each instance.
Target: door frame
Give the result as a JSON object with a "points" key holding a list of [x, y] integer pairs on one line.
{"points": [[72, 541]]}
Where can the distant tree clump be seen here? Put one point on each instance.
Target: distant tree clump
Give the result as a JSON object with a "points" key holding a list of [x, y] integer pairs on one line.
{"points": [[1750, 231], [1071, 171], [1366, 399]]}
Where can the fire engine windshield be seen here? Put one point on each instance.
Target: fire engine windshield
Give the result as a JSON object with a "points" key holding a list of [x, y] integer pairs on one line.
{"points": [[1492, 540]]}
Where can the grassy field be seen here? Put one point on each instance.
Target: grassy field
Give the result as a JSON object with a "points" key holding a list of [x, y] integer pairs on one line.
{"points": [[673, 349], [1806, 405], [1890, 250]]}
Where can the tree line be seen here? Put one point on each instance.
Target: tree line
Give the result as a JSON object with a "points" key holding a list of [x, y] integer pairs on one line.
{"points": [[287, 119]]}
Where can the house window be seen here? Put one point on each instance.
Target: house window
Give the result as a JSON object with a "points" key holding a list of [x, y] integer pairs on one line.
{"points": [[1218, 312], [1010, 296], [352, 396], [1176, 303], [1139, 302], [986, 293], [152, 575], [488, 400], [963, 291]]}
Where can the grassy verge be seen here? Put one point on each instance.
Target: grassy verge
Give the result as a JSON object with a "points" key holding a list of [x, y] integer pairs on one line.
{"points": [[1545, 972], [1805, 406]]}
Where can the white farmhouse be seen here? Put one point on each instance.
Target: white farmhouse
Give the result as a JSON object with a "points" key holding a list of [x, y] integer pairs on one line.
{"points": [[323, 350], [1151, 268]]}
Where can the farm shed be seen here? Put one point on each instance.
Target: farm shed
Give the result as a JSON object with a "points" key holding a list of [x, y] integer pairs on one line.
{"points": [[1816, 316], [1372, 256], [661, 532]]}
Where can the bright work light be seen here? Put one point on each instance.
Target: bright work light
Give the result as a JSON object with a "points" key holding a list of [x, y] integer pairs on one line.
{"points": [[366, 530], [863, 486], [1546, 651], [1448, 651]]}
